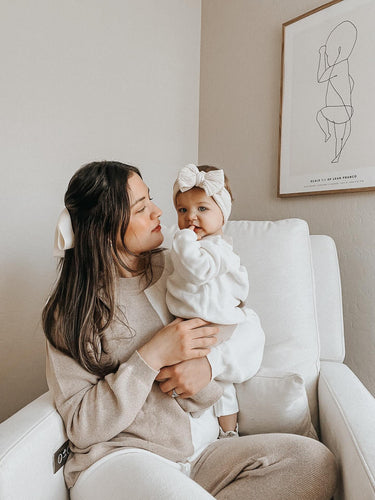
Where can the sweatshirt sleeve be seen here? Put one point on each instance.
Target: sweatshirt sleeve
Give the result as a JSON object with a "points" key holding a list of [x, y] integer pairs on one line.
{"points": [[97, 409], [198, 261], [239, 358]]}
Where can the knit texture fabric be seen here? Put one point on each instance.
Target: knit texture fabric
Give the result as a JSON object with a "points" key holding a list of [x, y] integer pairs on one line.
{"points": [[97, 417]]}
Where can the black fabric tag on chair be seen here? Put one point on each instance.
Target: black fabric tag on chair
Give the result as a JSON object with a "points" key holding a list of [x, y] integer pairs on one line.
{"points": [[61, 456]]}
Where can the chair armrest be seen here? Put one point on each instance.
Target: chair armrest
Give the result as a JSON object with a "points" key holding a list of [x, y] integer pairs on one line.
{"points": [[347, 417], [28, 441]]}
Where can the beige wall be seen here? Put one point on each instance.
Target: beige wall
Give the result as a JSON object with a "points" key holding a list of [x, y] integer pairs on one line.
{"points": [[81, 81], [239, 120]]}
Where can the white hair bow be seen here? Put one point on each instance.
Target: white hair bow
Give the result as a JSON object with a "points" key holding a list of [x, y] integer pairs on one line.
{"points": [[64, 236], [212, 182]]}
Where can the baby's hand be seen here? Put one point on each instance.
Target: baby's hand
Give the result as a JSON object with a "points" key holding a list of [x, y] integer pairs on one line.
{"points": [[194, 228]]}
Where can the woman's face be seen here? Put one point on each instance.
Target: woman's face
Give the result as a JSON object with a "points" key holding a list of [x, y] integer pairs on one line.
{"points": [[143, 232]]}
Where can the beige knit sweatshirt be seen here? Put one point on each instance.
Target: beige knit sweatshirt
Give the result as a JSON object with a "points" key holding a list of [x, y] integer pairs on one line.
{"points": [[125, 408]]}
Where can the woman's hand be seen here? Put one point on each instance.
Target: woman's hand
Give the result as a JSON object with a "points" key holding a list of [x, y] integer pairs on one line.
{"points": [[179, 341], [186, 378]]}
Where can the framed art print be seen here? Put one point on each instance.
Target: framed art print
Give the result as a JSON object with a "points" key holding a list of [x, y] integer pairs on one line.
{"points": [[327, 116]]}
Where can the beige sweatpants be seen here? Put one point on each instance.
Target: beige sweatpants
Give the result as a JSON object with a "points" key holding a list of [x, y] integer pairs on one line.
{"points": [[262, 467], [266, 467]]}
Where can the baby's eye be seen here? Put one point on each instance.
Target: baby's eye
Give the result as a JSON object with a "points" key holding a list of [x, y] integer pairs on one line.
{"points": [[202, 209], [181, 210]]}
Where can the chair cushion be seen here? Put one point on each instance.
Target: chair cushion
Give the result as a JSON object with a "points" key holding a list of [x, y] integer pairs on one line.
{"points": [[278, 258], [274, 401]]}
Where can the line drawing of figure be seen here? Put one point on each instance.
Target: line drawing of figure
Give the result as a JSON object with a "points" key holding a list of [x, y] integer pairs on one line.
{"points": [[333, 69]]}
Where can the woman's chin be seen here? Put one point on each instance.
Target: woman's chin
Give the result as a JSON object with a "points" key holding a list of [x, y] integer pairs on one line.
{"points": [[161, 239]]}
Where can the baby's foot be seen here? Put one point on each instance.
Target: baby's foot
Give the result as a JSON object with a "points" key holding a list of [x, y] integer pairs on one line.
{"points": [[228, 434]]}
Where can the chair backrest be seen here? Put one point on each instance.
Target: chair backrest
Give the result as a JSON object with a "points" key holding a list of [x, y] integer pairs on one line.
{"points": [[328, 298], [278, 258], [28, 442]]}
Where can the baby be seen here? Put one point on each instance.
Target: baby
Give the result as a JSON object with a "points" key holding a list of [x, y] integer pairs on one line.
{"points": [[208, 280]]}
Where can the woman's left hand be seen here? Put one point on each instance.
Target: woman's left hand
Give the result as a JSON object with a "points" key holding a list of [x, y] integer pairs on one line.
{"points": [[186, 378]]}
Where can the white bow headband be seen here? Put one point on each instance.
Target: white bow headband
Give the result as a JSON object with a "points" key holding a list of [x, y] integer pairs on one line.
{"points": [[212, 182], [64, 236]]}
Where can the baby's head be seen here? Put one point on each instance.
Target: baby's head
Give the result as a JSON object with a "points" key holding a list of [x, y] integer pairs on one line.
{"points": [[203, 199]]}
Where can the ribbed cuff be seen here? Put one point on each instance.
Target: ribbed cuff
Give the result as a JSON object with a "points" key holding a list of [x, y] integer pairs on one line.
{"points": [[146, 364]]}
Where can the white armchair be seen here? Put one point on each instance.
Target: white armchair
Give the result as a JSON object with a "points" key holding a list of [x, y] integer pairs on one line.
{"points": [[341, 407], [346, 408]]}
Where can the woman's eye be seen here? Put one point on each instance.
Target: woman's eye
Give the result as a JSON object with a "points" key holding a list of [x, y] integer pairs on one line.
{"points": [[141, 210], [202, 209]]}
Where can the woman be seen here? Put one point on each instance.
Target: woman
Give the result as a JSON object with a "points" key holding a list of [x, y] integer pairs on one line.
{"points": [[115, 358]]}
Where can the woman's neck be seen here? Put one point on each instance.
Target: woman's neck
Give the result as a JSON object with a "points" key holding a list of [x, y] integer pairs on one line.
{"points": [[135, 266]]}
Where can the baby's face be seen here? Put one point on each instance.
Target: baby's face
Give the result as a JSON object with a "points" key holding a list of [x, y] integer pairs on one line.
{"points": [[199, 212]]}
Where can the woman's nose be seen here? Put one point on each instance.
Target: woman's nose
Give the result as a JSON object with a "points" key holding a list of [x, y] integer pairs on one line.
{"points": [[156, 211]]}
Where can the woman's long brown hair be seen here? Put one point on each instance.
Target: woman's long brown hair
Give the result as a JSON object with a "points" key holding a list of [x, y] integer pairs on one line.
{"points": [[82, 304]]}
